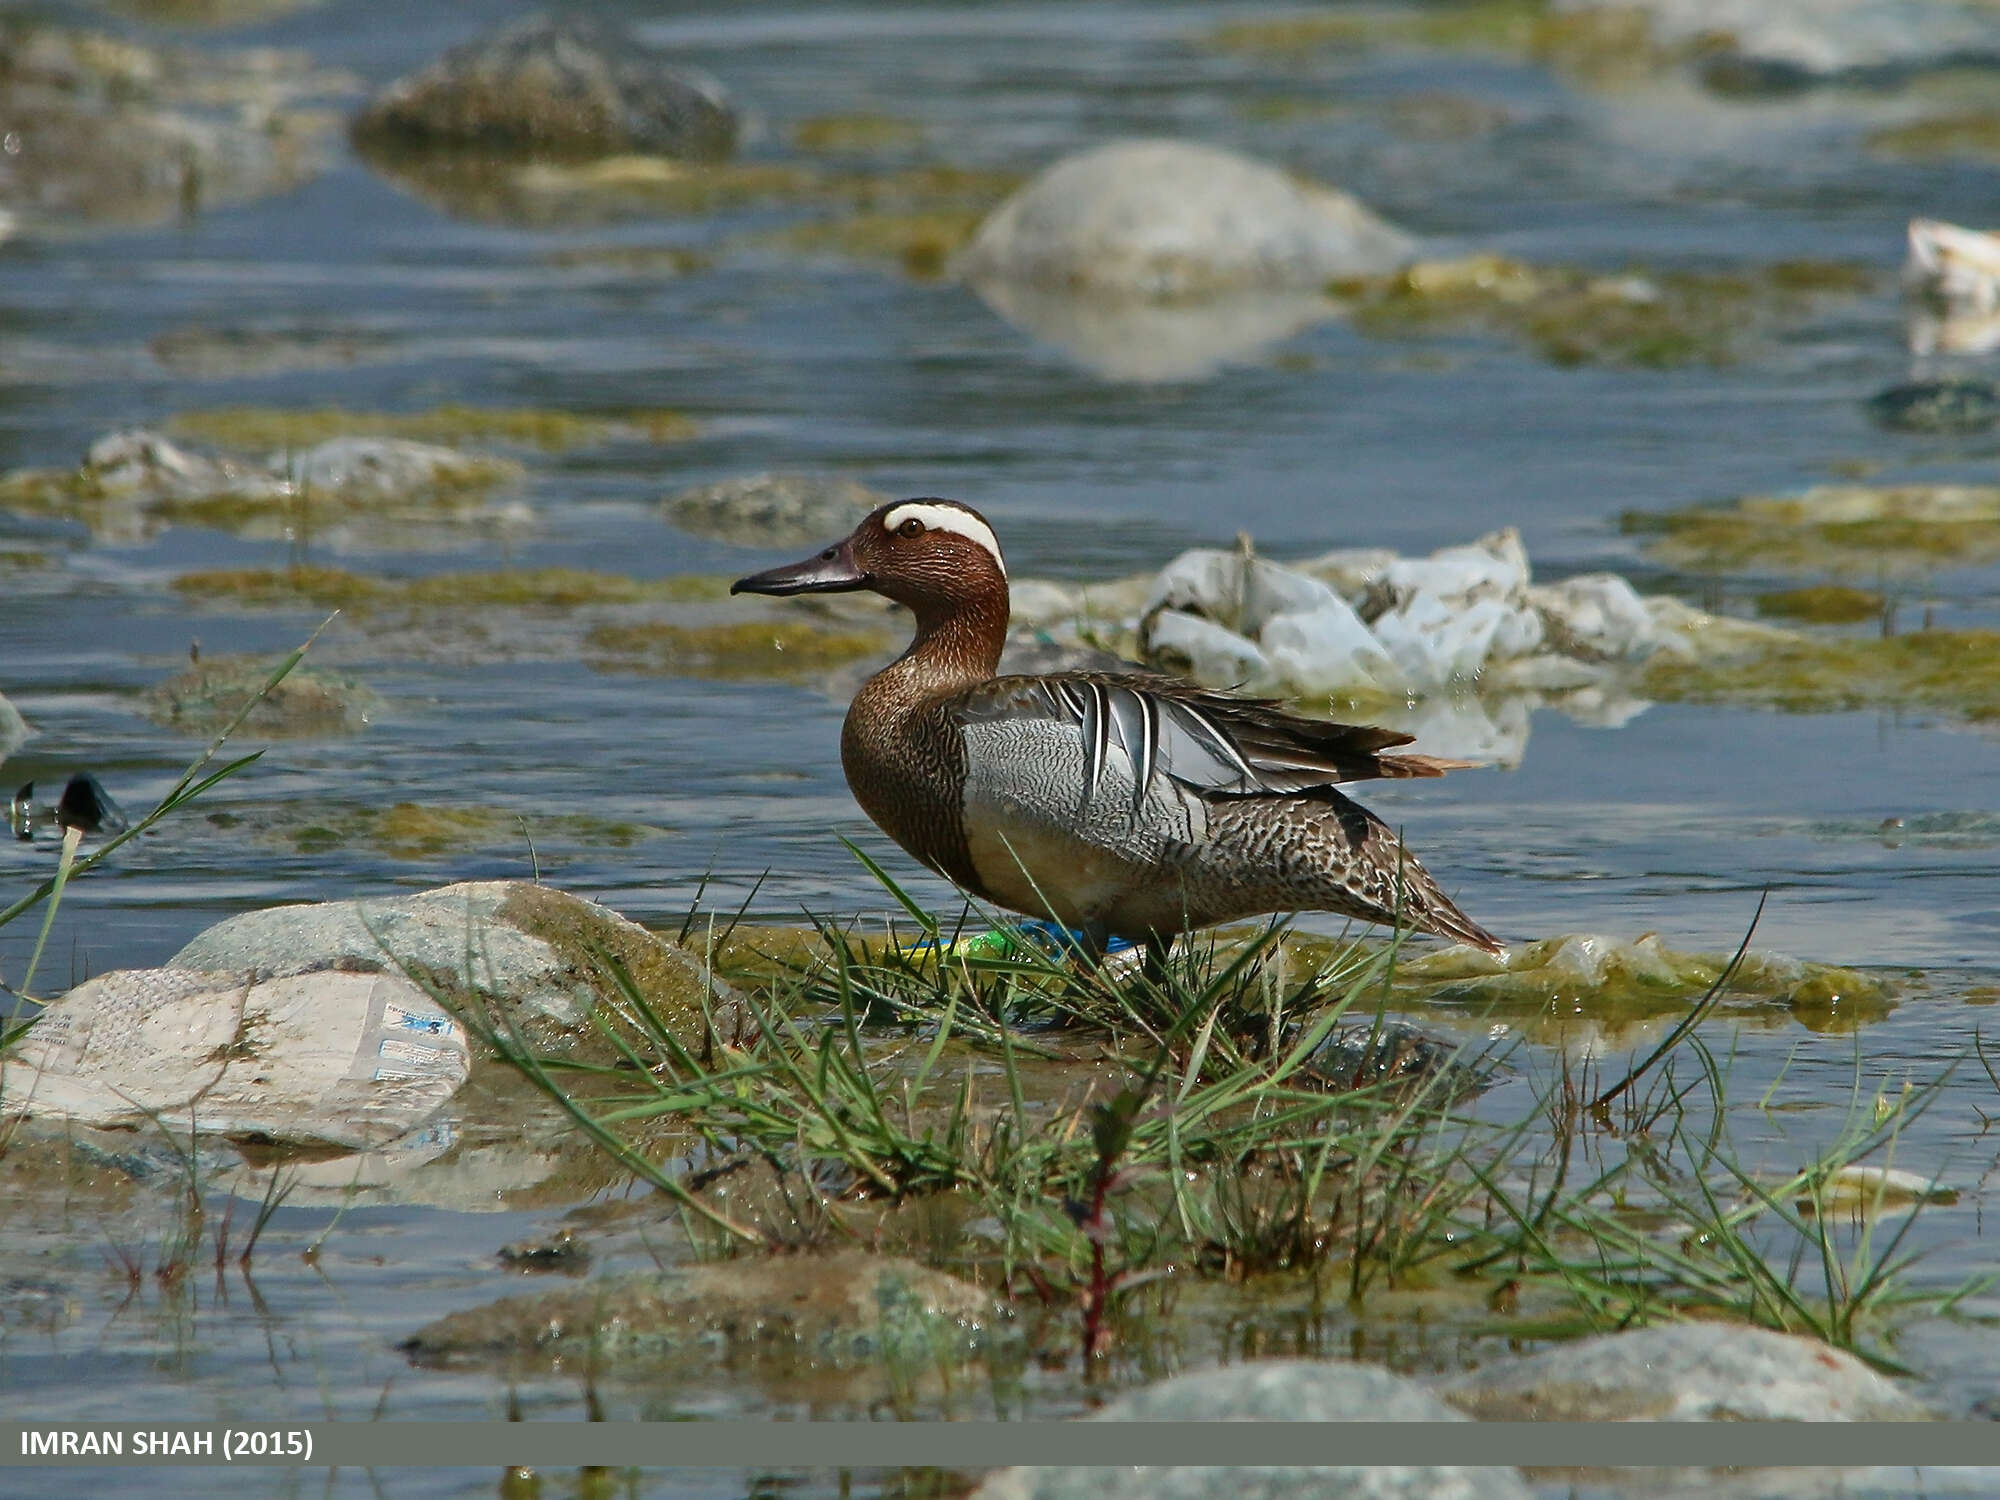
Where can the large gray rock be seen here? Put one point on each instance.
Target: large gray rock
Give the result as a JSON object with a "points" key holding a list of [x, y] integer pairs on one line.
{"points": [[564, 85], [538, 952], [1170, 219], [1281, 1390], [1684, 1372], [832, 1309]]}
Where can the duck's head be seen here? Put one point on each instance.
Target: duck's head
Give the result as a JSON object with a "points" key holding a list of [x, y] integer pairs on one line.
{"points": [[936, 556]]}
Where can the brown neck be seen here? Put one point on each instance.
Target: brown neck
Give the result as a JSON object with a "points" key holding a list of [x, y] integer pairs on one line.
{"points": [[959, 644]]}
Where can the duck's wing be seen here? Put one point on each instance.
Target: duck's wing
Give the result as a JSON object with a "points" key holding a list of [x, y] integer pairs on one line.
{"points": [[1212, 742]]}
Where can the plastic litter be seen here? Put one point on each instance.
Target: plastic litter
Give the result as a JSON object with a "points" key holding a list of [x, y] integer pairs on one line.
{"points": [[1027, 938], [351, 1060]]}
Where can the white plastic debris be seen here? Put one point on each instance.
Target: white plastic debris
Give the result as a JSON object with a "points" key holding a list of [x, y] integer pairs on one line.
{"points": [[1958, 265], [1495, 566], [1326, 649], [1350, 571], [1596, 617], [337, 1059], [1235, 589], [1205, 651]]}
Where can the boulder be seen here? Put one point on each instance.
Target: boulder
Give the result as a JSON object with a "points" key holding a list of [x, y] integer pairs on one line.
{"points": [[560, 85], [1177, 219], [835, 1309], [536, 952], [1683, 1372], [1278, 1390], [330, 1059]]}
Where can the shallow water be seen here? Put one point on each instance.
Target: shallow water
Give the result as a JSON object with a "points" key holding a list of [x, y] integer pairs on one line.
{"points": [[1673, 822]]}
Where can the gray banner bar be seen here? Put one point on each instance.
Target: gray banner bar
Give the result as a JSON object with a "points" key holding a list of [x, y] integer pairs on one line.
{"points": [[983, 1445]]}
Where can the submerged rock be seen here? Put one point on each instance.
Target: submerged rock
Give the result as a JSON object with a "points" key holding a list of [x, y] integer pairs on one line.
{"points": [[1276, 1390], [562, 85], [839, 1309], [1684, 1372], [1937, 406], [1395, 1052], [536, 952], [205, 698], [1176, 219], [773, 510], [338, 1059]]}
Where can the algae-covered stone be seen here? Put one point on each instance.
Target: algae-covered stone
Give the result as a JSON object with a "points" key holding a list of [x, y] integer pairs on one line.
{"points": [[130, 484], [773, 509], [1662, 320], [1837, 529], [1589, 973], [833, 1310], [563, 84], [1177, 219], [270, 429], [1276, 1390], [1686, 1372], [206, 697], [419, 831], [1951, 672], [538, 952], [1823, 604]]}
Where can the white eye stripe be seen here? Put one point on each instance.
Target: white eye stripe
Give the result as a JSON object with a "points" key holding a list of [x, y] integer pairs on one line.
{"points": [[949, 518]]}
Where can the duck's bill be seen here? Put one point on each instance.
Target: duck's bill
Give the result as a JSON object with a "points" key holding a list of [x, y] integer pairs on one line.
{"points": [[834, 571]]}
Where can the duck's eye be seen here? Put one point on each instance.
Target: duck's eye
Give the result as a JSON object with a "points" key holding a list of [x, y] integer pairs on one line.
{"points": [[911, 527]]}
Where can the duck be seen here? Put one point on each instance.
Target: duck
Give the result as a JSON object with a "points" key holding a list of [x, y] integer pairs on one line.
{"points": [[1120, 804]]}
